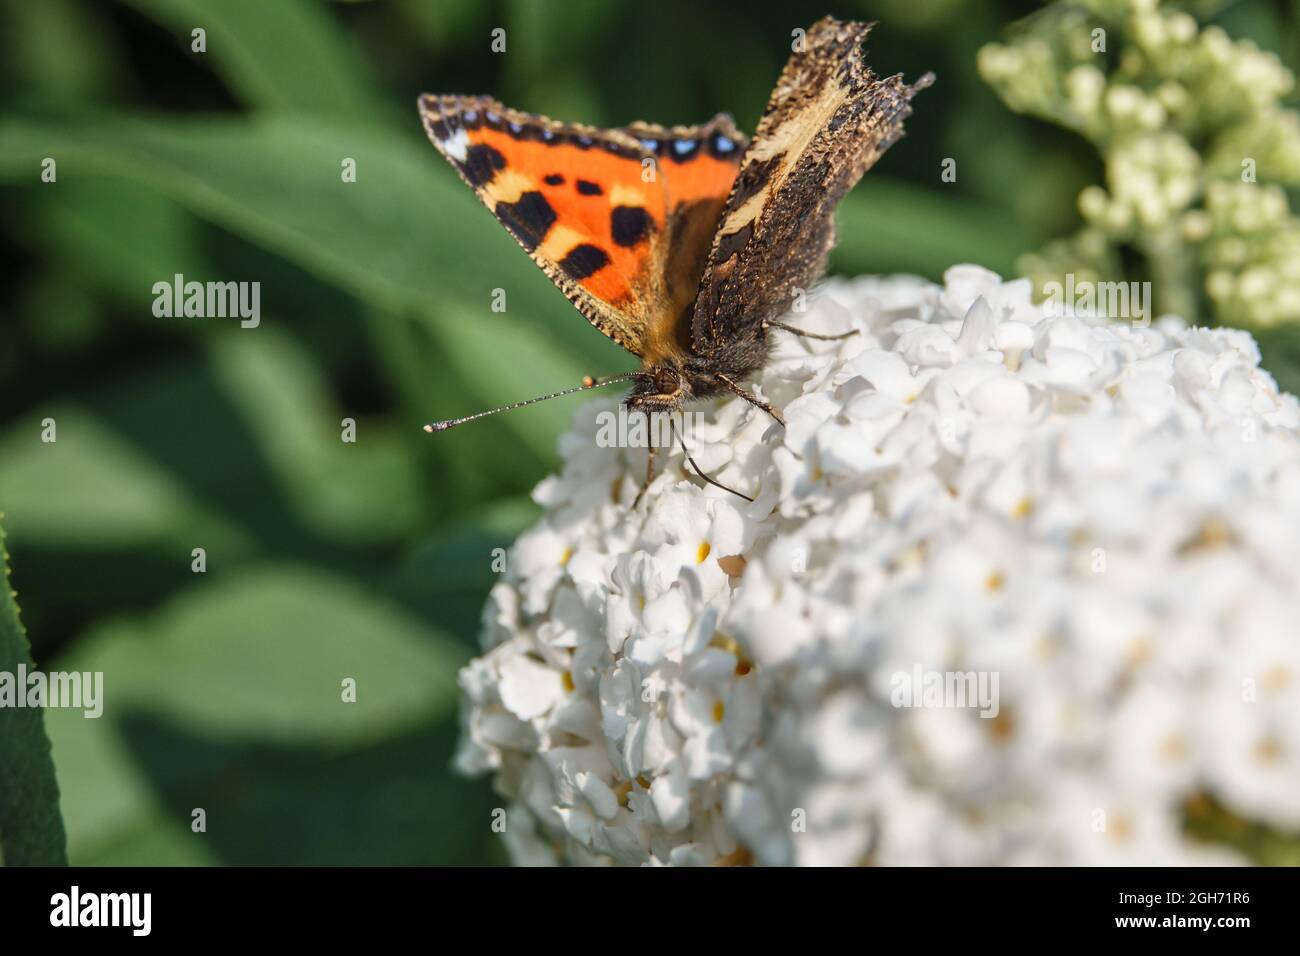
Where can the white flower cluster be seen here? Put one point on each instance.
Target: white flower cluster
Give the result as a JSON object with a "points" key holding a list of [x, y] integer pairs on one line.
{"points": [[1197, 142], [1095, 522]]}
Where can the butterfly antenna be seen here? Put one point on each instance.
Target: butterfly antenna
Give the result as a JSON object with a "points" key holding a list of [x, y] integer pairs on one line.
{"points": [[587, 383]]}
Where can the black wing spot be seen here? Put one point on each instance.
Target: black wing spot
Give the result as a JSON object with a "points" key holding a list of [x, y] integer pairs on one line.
{"points": [[530, 218], [437, 127], [554, 179], [482, 163], [583, 261], [588, 188], [629, 225]]}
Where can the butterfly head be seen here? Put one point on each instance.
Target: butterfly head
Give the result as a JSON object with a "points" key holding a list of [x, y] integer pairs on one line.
{"points": [[661, 388]]}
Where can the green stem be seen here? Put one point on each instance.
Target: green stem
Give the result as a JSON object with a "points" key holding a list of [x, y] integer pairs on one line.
{"points": [[1173, 272]]}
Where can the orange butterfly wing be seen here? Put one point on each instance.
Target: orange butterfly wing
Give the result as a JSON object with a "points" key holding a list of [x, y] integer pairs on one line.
{"points": [[616, 218]]}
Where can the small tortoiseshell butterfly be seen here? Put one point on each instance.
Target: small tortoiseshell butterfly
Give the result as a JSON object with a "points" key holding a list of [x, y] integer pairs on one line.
{"points": [[685, 244]]}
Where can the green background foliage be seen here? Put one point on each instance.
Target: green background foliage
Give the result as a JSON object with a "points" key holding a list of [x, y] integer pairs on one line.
{"points": [[31, 829], [328, 560]]}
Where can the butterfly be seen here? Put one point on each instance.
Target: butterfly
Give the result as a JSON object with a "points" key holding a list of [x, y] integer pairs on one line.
{"points": [[685, 244]]}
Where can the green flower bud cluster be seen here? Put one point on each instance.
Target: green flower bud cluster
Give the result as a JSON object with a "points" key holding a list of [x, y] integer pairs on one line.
{"points": [[1251, 251], [1195, 144]]}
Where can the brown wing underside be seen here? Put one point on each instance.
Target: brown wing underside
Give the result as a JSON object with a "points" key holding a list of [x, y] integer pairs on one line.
{"points": [[828, 120]]}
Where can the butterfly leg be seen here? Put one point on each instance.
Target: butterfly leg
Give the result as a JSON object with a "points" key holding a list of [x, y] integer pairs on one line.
{"points": [[757, 403], [649, 475], [809, 335], [699, 471]]}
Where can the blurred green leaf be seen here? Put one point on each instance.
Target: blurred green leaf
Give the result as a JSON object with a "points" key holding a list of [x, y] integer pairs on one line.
{"points": [[1280, 348], [890, 226], [237, 684], [390, 802], [446, 575], [288, 54], [31, 830], [263, 651], [58, 317], [437, 24], [104, 792], [367, 490], [238, 452], [122, 236], [59, 49], [91, 488], [276, 180]]}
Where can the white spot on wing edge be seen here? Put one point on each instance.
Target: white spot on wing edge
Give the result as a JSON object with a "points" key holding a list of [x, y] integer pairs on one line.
{"points": [[457, 145]]}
